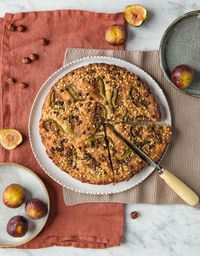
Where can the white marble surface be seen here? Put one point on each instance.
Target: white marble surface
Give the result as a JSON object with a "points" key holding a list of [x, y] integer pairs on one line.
{"points": [[159, 230]]}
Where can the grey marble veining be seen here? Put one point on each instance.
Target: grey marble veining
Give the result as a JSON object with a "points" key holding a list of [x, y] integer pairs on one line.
{"points": [[159, 230], [146, 37]]}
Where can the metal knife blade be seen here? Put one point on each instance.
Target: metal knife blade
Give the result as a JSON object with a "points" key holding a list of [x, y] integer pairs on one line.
{"points": [[137, 150], [186, 193]]}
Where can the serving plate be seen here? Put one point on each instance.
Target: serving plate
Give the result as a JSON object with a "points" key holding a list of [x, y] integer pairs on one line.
{"points": [[180, 45], [34, 188], [39, 150]]}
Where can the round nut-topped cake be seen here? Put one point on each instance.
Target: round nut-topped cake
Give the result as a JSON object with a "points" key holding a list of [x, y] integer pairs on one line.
{"points": [[79, 117]]}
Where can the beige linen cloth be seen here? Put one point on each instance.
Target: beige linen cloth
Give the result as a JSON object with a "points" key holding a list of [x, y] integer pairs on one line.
{"points": [[183, 155]]}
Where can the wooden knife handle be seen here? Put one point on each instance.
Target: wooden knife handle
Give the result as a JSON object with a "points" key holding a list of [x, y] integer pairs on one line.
{"points": [[180, 188]]}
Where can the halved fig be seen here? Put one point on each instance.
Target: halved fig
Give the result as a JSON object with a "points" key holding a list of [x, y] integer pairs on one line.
{"points": [[10, 138], [135, 14]]}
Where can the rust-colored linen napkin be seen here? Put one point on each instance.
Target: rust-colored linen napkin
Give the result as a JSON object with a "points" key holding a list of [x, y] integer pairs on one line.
{"points": [[97, 225], [182, 157]]}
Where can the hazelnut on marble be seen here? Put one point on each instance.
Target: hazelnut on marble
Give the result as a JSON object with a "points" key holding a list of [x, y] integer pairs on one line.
{"points": [[134, 215]]}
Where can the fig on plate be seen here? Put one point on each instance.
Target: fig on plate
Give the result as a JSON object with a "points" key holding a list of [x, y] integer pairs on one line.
{"points": [[10, 138], [135, 14], [13, 196], [35, 209], [182, 76], [115, 34], [17, 226]]}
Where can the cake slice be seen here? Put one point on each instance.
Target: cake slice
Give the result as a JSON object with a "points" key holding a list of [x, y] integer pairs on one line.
{"points": [[125, 162], [129, 97], [152, 139], [94, 162]]}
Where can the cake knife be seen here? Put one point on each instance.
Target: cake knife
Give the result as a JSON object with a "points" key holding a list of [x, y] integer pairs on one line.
{"points": [[189, 196]]}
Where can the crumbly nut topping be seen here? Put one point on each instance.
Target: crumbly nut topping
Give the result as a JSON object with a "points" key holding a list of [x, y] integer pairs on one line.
{"points": [[74, 114]]}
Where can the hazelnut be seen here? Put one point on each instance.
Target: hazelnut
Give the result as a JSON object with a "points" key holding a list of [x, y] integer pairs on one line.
{"points": [[26, 60], [21, 28], [44, 41], [23, 85], [11, 80], [134, 215], [33, 56], [11, 27]]}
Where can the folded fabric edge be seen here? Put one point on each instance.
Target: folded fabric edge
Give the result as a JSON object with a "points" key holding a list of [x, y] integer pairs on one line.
{"points": [[79, 242], [104, 50], [21, 15]]}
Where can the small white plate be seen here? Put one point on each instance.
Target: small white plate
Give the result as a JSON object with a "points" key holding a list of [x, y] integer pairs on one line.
{"points": [[39, 150], [34, 188]]}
